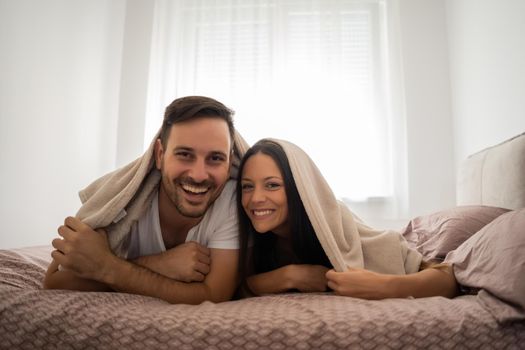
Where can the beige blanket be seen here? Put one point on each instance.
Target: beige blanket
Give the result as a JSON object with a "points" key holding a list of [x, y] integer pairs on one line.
{"points": [[116, 200], [344, 238]]}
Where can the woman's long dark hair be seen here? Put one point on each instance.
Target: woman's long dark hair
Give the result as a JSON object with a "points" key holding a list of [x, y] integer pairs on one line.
{"points": [[265, 254]]}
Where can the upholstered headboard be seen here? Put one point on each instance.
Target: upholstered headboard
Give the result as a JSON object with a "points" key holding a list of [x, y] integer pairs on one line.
{"points": [[494, 176]]}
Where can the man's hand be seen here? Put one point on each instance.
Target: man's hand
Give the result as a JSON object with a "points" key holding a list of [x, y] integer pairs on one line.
{"points": [[308, 278], [82, 250], [187, 262]]}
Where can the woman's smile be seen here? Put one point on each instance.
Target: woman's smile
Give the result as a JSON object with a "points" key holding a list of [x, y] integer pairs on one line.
{"points": [[264, 195]]}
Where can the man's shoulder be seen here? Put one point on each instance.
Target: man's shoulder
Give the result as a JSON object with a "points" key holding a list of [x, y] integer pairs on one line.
{"points": [[225, 204], [227, 195], [229, 189]]}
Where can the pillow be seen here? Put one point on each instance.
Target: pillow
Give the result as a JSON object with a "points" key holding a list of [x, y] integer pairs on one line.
{"points": [[493, 260], [437, 234]]}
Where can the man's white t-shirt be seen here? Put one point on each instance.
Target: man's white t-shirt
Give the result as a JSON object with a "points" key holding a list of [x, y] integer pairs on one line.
{"points": [[217, 229]]}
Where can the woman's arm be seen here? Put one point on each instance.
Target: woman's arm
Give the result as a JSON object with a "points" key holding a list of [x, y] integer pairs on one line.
{"points": [[359, 283], [305, 278]]}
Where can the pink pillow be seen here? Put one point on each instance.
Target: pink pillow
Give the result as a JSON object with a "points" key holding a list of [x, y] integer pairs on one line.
{"points": [[436, 234], [493, 262]]}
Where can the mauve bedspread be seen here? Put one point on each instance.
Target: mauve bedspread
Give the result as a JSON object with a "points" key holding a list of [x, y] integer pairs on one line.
{"points": [[32, 318]]}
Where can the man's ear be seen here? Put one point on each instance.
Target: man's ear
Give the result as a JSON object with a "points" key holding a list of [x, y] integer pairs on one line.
{"points": [[159, 153]]}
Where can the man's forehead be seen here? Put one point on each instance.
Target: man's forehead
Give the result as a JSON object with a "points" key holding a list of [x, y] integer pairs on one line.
{"points": [[202, 134]]}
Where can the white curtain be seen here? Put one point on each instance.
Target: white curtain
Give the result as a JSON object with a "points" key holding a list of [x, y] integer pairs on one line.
{"points": [[310, 71]]}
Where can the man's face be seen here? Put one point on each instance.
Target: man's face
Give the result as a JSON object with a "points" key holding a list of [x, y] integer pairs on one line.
{"points": [[195, 164]]}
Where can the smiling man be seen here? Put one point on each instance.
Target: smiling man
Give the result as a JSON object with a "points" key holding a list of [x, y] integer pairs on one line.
{"points": [[183, 247]]}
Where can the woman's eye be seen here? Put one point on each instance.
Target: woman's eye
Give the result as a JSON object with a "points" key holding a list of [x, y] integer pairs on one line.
{"points": [[273, 185], [246, 187]]}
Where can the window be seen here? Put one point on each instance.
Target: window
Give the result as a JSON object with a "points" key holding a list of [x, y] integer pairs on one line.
{"points": [[311, 72]]}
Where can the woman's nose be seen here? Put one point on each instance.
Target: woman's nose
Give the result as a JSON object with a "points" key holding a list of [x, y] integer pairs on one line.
{"points": [[258, 195]]}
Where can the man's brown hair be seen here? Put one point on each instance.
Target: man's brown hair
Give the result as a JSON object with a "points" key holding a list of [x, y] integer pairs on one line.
{"points": [[192, 107]]}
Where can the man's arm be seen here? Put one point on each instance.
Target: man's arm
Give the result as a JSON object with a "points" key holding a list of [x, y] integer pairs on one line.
{"points": [[63, 279], [86, 253], [187, 262], [219, 285]]}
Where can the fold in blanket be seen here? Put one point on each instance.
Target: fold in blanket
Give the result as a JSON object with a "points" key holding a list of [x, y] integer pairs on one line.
{"points": [[345, 239], [117, 200]]}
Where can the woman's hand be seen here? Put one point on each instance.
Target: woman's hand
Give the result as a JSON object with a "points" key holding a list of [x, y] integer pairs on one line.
{"points": [[360, 283], [307, 278]]}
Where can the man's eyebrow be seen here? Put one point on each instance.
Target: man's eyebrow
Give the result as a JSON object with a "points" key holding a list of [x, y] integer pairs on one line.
{"points": [[190, 149], [183, 148], [219, 153]]}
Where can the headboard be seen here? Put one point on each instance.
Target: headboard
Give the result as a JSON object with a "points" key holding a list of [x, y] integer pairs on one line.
{"points": [[494, 176]]}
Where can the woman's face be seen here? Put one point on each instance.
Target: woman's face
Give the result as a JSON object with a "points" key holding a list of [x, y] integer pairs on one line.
{"points": [[263, 195]]}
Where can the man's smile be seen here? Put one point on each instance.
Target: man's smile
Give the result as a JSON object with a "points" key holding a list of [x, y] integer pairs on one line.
{"points": [[195, 189]]}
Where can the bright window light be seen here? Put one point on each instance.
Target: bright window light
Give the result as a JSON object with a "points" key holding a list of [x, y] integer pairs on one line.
{"points": [[311, 72]]}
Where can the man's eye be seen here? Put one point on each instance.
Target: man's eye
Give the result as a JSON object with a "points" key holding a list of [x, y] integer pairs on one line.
{"points": [[183, 155], [217, 158]]}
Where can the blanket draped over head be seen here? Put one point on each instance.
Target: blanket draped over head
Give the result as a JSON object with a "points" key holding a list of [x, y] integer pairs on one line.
{"points": [[116, 200], [345, 239]]}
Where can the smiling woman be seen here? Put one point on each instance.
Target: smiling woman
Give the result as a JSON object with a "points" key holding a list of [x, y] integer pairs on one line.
{"points": [[286, 252], [294, 235], [264, 196]]}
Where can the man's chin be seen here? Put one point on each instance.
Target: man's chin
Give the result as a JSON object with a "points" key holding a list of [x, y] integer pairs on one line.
{"points": [[192, 212]]}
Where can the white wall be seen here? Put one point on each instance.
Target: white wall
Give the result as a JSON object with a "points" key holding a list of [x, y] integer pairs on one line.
{"points": [[59, 86], [487, 55], [134, 80], [421, 94], [430, 142], [73, 93]]}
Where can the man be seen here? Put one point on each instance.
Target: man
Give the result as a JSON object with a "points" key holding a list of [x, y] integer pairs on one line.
{"points": [[183, 246]]}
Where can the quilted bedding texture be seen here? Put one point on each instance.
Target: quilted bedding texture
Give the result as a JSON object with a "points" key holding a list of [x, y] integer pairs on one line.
{"points": [[32, 318]]}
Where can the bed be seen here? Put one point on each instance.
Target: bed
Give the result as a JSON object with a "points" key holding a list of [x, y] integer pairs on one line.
{"points": [[481, 318]]}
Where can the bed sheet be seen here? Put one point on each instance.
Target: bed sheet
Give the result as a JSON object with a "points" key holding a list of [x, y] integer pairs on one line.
{"points": [[33, 318]]}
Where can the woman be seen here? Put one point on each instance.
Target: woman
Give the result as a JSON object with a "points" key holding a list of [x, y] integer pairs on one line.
{"points": [[293, 232]]}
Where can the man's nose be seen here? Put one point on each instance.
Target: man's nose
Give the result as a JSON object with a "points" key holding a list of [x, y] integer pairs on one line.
{"points": [[198, 171]]}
